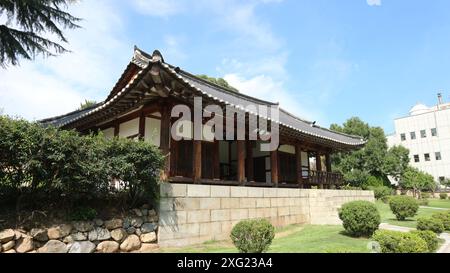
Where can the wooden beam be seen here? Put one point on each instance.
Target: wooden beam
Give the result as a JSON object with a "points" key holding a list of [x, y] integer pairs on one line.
{"points": [[250, 169], [116, 128], [319, 168], [298, 165], [274, 167], [216, 159], [165, 138], [241, 161], [197, 166]]}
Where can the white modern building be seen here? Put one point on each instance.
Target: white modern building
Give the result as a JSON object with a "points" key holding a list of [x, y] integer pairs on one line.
{"points": [[426, 133]]}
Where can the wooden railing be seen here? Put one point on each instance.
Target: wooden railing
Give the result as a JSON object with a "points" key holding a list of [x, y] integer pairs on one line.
{"points": [[325, 178]]}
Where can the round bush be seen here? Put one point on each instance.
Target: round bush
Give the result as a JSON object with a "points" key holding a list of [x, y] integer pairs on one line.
{"points": [[429, 237], [253, 236], [360, 218], [444, 217], [381, 192], [443, 195], [430, 223], [425, 195], [400, 242], [403, 206], [423, 202]]}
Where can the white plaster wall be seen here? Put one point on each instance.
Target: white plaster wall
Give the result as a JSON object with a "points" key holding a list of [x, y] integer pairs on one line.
{"points": [[108, 133], [129, 128], [153, 131]]}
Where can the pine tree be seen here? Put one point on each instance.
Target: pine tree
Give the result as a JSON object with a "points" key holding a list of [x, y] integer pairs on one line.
{"points": [[27, 21]]}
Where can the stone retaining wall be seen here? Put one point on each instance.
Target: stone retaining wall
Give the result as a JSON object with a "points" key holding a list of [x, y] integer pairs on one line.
{"points": [[191, 214], [135, 232]]}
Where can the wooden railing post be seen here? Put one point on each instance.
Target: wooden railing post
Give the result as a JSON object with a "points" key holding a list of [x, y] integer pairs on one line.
{"points": [[241, 161], [197, 166], [298, 165], [274, 167]]}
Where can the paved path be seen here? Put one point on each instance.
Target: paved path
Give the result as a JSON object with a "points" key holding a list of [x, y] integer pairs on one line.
{"points": [[426, 207], [445, 248]]}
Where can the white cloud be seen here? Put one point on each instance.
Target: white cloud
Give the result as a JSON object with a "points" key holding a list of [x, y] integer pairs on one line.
{"points": [[54, 86], [374, 2]]}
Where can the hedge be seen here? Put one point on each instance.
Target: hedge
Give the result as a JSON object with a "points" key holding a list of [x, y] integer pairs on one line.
{"points": [[48, 163], [400, 242]]}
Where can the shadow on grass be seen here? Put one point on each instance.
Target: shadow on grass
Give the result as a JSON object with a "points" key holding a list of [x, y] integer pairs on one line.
{"points": [[347, 234]]}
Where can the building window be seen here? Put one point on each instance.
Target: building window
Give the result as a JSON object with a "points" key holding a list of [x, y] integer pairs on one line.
{"points": [[433, 132], [427, 157], [438, 156], [416, 158], [423, 134], [403, 137], [413, 135]]}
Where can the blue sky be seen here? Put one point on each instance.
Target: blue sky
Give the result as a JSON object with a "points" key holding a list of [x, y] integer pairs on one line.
{"points": [[324, 60]]}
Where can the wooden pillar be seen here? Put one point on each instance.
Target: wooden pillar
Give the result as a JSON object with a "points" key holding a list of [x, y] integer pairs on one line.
{"points": [[298, 165], [241, 161], [328, 160], [165, 138], [250, 170], [319, 169], [116, 129], [142, 126], [197, 166], [216, 159], [274, 167]]}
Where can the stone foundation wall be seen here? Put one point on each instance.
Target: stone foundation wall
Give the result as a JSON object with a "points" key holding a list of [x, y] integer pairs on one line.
{"points": [[192, 214], [135, 232]]}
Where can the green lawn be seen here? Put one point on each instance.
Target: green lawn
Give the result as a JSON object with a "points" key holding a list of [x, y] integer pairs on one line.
{"points": [[388, 217], [438, 203], [294, 239]]}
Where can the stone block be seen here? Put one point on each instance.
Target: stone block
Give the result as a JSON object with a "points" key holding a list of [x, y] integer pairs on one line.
{"points": [[209, 203], [198, 216], [239, 192], [220, 215], [246, 203], [198, 191], [263, 202], [220, 191], [173, 190], [255, 192], [229, 203], [239, 214]]}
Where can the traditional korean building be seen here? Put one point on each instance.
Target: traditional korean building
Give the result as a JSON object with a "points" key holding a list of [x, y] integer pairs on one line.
{"points": [[139, 106]]}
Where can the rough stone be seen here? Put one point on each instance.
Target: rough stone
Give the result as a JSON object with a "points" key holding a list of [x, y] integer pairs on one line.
{"points": [[79, 236], [131, 230], [152, 218], [138, 232], [83, 226], [82, 247], [18, 234], [152, 213], [145, 206], [131, 243], [148, 248], [58, 232], [144, 212], [99, 234], [69, 239], [39, 234], [108, 247], [53, 246], [148, 227], [136, 222], [7, 235], [137, 212], [126, 223], [10, 251], [148, 237], [113, 224], [119, 234], [24, 245], [9, 245], [98, 222]]}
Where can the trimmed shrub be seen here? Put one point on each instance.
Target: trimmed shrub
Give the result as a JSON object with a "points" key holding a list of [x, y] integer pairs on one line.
{"points": [[400, 242], [430, 223], [403, 206], [423, 202], [360, 218], [386, 199], [444, 217], [443, 195], [381, 191], [425, 195], [429, 237], [253, 236]]}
